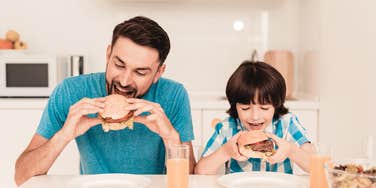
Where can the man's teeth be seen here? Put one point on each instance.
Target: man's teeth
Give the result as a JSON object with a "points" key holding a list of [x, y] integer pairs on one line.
{"points": [[123, 91]]}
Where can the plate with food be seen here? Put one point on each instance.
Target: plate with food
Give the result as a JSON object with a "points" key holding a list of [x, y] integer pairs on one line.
{"points": [[109, 181], [263, 179], [359, 173]]}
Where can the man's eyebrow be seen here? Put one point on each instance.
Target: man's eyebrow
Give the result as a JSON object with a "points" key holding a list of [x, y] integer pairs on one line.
{"points": [[139, 68], [118, 58], [144, 68]]}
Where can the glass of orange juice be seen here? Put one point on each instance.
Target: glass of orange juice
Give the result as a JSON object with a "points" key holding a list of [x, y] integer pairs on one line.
{"points": [[177, 166], [318, 177]]}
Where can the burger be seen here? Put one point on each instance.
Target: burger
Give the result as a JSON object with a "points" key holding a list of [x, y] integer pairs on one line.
{"points": [[115, 116], [255, 144]]}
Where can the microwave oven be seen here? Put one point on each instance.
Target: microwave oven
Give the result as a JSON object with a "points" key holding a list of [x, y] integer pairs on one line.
{"points": [[27, 75]]}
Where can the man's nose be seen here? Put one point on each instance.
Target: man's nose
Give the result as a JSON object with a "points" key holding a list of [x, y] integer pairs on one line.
{"points": [[125, 78]]}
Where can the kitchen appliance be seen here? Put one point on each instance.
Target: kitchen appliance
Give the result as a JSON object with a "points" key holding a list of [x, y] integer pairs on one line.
{"points": [[27, 75], [76, 65], [283, 61]]}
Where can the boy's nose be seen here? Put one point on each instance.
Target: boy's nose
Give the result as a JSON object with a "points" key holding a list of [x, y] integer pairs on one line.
{"points": [[255, 114]]}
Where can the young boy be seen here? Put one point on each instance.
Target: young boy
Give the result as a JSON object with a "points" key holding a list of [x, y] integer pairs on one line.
{"points": [[256, 93]]}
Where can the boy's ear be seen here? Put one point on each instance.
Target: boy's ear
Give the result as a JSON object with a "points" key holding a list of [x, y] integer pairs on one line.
{"points": [[160, 71]]}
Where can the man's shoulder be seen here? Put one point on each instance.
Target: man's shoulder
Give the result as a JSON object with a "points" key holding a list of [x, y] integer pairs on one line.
{"points": [[84, 78], [170, 88], [166, 83], [87, 85]]}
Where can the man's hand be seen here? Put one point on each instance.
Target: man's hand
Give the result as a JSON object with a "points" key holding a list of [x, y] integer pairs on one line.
{"points": [[231, 148], [77, 122], [156, 121], [283, 151]]}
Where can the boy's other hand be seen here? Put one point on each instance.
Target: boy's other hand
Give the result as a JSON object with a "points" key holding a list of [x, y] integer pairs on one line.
{"points": [[284, 148], [231, 148]]}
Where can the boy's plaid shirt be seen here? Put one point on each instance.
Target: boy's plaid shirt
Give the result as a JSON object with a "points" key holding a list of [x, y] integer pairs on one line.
{"points": [[287, 127]]}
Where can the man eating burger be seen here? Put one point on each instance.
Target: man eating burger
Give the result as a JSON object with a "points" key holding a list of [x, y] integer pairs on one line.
{"points": [[161, 111]]}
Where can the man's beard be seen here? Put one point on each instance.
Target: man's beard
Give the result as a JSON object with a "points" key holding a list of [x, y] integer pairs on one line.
{"points": [[127, 91]]}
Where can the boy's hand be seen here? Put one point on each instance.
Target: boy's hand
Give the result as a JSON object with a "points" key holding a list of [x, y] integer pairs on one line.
{"points": [[284, 148], [231, 148]]}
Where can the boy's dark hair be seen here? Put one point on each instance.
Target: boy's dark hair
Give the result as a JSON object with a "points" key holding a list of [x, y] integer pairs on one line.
{"points": [[256, 78], [145, 32]]}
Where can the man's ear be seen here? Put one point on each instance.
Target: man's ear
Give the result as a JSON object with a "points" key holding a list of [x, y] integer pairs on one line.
{"points": [[108, 53], [160, 71]]}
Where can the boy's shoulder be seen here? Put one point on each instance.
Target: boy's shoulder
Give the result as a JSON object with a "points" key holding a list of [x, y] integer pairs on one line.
{"points": [[286, 118], [227, 124]]}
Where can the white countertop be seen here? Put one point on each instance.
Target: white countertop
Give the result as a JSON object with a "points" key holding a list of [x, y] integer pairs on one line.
{"points": [[157, 181]]}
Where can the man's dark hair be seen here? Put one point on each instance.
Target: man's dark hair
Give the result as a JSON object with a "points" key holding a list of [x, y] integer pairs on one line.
{"points": [[259, 79], [145, 32]]}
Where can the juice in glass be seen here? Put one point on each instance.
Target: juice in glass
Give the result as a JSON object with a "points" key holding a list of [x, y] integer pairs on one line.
{"points": [[317, 175], [177, 173], [177, 166]]}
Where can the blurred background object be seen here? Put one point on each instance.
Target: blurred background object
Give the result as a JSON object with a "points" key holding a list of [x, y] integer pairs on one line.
{"points": [[12, 41], [283, 61]]}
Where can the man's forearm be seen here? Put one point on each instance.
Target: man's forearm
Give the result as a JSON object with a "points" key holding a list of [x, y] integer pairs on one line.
{"points": [[39, 160]]}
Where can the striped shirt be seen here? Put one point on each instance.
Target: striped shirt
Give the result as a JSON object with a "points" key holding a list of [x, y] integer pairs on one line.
{"points": [[287, 127]]}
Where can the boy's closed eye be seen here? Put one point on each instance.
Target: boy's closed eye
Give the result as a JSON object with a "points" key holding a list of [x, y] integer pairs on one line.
{"points": [[265, 107], [244, 108]]}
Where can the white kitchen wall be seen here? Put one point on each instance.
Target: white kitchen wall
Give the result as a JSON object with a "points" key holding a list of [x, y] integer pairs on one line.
{"points": [[205, 47], [309, 47], [347, 75]]}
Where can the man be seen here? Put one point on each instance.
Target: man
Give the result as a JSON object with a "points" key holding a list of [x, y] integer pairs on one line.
{"points": [[134, 67]]}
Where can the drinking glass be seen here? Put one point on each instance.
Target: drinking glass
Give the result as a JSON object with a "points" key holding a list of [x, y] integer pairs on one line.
{"points": [[318, 176], [177, 166]]}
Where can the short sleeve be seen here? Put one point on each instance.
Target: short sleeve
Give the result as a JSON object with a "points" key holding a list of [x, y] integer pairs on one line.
{"points": [[54, 113], [181, 115], [215, 141], [297, 132]]}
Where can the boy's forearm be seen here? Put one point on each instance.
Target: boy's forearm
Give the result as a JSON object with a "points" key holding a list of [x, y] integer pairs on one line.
{"points": [[301, 157], [38, 161], [209, 165]]}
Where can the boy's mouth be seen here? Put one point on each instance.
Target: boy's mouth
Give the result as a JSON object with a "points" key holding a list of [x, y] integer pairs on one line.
{"points": [[255, 125]]}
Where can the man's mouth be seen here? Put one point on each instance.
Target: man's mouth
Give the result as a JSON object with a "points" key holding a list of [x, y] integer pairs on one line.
{"points": [[130, 93]]}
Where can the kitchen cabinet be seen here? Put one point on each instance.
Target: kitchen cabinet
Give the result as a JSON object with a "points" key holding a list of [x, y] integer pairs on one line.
{"points": [[20, 118]]}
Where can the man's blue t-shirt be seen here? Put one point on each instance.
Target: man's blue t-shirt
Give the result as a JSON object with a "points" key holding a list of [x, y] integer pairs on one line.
{"points": [[137, 151]]}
